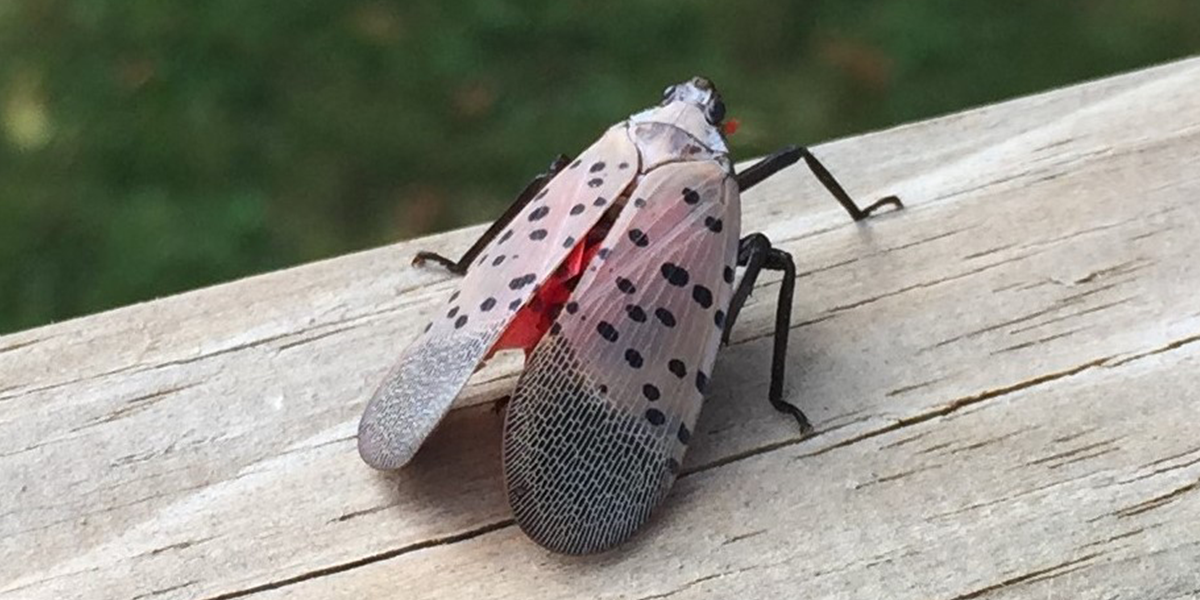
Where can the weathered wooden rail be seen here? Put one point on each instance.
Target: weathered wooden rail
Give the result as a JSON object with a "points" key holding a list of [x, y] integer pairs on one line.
{"points": [[1003, 378]]}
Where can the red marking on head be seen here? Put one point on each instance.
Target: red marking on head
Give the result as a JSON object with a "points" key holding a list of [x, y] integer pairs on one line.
{"points": [[731, 126]]}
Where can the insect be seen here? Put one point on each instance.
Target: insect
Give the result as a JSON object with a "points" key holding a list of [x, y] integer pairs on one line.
{"points": [[617, 273]]}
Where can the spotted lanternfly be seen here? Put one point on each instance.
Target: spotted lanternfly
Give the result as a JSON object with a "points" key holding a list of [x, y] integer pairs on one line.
{"points": [[616, 273]]}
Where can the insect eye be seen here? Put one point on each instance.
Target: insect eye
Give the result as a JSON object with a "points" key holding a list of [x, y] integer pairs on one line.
{"points": [[668, 93], [716, 111]]}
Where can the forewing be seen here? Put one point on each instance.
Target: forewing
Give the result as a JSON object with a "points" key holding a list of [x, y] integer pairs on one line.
{"points": [[434, 368], [601, 418]]}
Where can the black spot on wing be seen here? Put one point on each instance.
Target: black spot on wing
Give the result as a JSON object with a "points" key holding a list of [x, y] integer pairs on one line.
{"points": [[540, 213], [674, 274], [607, 331], [651, 393], [702, 295], [684, 435], [635, 313], [677, 368], [639, 238], [664, 316], [519, 282], [634, 358], [655, 416]]}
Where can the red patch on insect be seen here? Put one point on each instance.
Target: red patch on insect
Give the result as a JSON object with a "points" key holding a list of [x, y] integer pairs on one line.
{"points": [[731, 126], [538, 315]]}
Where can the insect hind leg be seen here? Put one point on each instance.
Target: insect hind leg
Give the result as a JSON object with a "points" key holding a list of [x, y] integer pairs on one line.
{"points": [[756, 253], [460, 266], [788, 156]]}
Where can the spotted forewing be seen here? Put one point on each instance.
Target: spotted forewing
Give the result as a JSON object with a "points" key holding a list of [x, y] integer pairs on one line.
{"points": [[603, 413], [434, 368]]}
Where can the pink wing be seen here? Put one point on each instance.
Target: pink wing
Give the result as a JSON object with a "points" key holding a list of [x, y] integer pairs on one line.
{"points": [[601, 418], [435, 367]]}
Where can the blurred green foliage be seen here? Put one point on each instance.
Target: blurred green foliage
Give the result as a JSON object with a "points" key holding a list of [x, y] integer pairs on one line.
{"points": [[152, 146]]}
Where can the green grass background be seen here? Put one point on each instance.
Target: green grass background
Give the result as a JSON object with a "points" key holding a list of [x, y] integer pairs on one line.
{"points": [[153, 146]]}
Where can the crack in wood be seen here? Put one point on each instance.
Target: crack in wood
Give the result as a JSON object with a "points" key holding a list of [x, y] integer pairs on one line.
{"points": [[165, 590], [896, 476], [134, 369], [360, 513], [1159, 350], [1031, 576], [1006, 498], [1073, 315], [1039, 341], [134, 406], [176, 546], [1157, 501], [1118, 537], [914, 387], [960, 403], [989, 251], [927, 284], [987, 442], [364, 561], [19, 345], [1072, 452]]}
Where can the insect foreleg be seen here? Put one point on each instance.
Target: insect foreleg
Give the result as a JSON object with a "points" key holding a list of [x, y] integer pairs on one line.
{"points": [[460, 266], [787, 157], [756, 253]]}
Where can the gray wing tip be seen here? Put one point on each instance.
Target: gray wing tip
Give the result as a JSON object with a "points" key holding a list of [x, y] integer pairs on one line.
{"points": [[380, 450]]}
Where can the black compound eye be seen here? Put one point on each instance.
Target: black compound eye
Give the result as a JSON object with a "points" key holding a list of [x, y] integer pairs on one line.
{"points": [[716, 111], [668, 93]]}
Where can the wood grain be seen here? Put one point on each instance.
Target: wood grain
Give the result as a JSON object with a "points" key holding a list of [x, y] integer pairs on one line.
{"points": [[1003, 379]]}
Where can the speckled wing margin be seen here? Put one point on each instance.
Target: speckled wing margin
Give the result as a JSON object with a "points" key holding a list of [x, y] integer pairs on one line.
{"points": [[601, 418], [434, 368]]}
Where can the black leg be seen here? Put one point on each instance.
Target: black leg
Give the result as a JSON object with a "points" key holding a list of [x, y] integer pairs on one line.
{"points": [[460, 266], [787, 157], [756, 253]]}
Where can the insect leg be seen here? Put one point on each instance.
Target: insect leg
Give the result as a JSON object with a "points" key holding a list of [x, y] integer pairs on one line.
{"points": [[756, 253], [752, 251], [459, 267], [787, 157]]}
